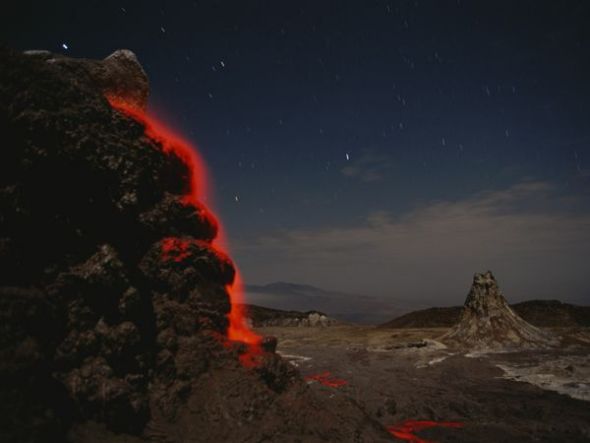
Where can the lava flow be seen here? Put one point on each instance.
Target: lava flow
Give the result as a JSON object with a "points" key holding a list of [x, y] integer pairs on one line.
{"points": [[326, 379], [175, 249], [154, 129], [407, 429]]}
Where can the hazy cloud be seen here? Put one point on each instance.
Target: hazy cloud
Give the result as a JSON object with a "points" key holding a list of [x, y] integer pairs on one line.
{"points": [[528, 235]]}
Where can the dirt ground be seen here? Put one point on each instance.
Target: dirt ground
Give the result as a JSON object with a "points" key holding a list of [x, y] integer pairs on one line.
{"points": [[399, 375]]}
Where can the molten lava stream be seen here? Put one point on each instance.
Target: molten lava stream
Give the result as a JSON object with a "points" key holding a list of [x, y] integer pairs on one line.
{"points": [[407, 429], [171, 142], [326, 379]]}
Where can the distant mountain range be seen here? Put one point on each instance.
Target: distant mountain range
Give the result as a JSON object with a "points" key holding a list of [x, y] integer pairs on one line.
{"points": [[284, 288], [363, 309], [338, 305], [544, 313]]}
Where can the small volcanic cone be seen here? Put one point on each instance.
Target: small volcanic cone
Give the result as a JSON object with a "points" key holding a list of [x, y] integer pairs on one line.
{"points": [[488, 323]]}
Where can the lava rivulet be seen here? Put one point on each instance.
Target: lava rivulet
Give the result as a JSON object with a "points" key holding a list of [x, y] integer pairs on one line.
{"points": [[326, 379], [407, 429], [171, 142], [175, 249]]}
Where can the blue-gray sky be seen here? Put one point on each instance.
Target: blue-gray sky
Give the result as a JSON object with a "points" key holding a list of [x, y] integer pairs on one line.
{"points": [[388, 148]]}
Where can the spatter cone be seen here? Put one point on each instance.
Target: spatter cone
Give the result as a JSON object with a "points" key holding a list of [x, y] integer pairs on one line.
{"points": [[488, 323]]}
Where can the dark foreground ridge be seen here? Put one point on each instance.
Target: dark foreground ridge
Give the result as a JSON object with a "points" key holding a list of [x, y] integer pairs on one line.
{"points": [[104, 329]]}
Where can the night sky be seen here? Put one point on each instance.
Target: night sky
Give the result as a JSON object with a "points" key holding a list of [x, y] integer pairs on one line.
{"points": [[383, 148]]}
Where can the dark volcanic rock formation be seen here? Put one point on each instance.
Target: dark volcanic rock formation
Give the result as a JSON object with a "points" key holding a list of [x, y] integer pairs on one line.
{"points": [[113, 301], [119, 75], [488, 323]]}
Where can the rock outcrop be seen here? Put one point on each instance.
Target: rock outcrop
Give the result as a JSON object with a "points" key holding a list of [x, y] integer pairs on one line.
{"points": [[488, 323], [260, 317], [113, 299], [120, 75]]}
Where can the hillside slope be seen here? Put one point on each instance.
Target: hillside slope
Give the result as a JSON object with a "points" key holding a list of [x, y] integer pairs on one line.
{"points": [[542, 313]]}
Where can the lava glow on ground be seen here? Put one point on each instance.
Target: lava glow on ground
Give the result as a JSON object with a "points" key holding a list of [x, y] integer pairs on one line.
{"points": [[326, 379], [407, 429], [171, 142]]}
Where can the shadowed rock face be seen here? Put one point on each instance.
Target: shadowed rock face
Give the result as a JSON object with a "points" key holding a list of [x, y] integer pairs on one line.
{"points": [[105, 327], [120, 75], [487, 322]]}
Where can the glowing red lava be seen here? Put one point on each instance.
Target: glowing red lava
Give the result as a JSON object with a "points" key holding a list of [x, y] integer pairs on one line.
{"points": [[326, 379], [174, 248], [407, 429]]}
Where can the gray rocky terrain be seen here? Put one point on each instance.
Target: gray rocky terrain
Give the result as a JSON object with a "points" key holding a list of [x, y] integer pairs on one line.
{"points": [[491, 377], [400, 376]]}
